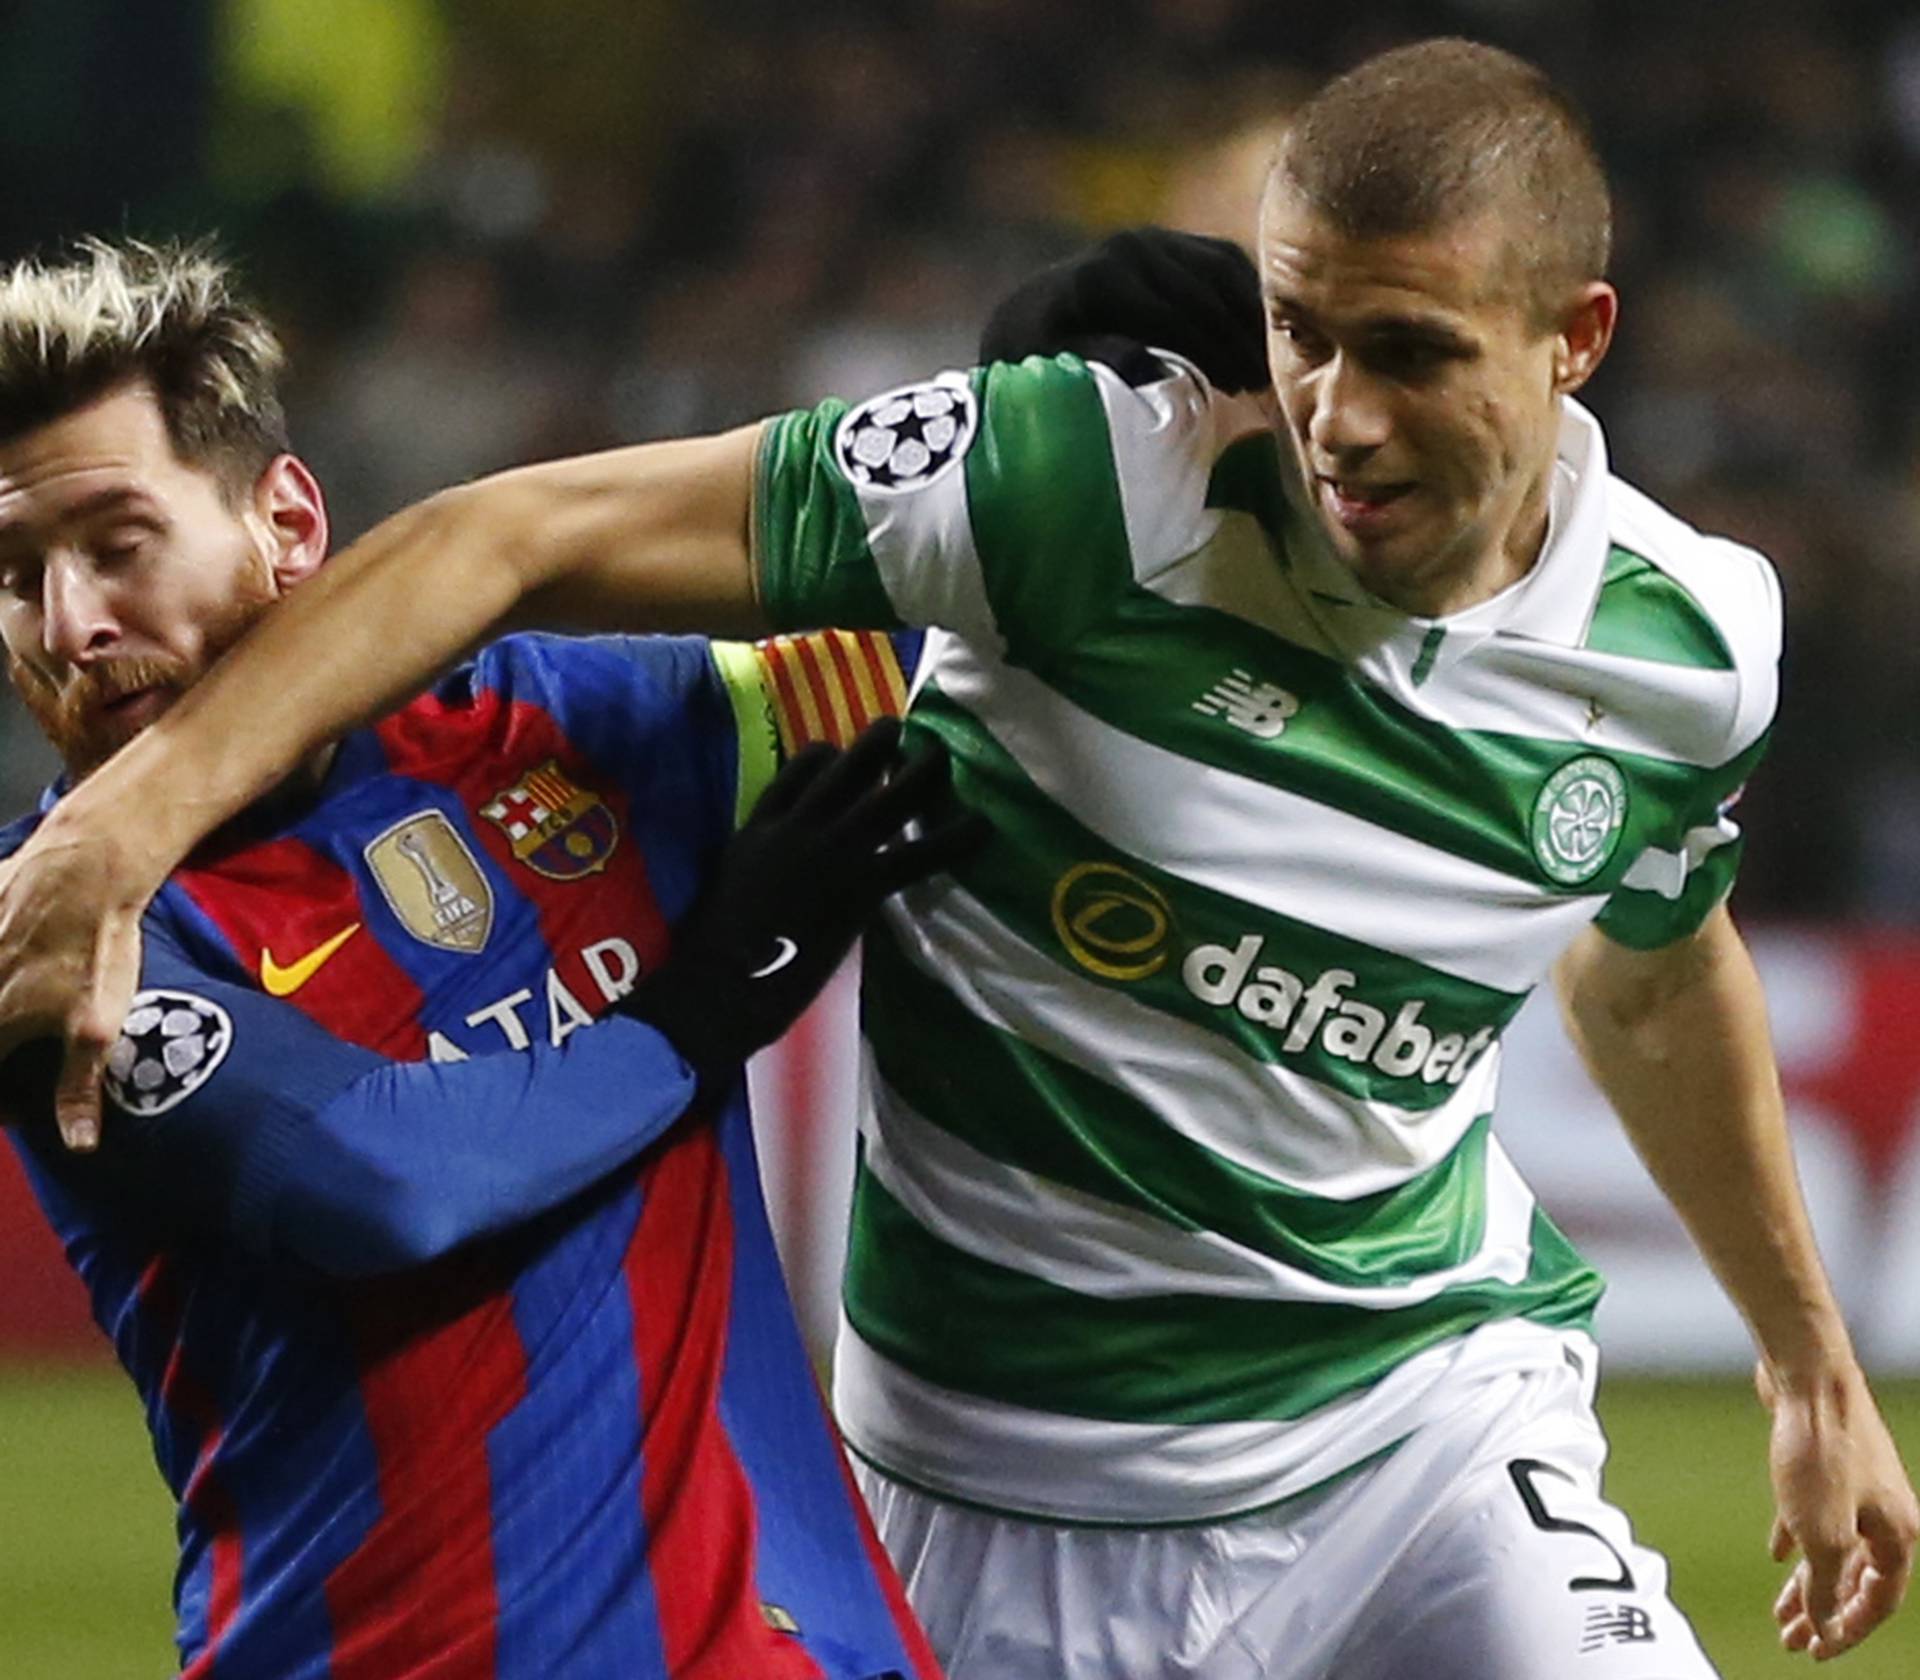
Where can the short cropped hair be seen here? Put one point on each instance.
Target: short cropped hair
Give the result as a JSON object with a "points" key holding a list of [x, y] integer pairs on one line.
{"points": [[1427, 135], [108, 314]]}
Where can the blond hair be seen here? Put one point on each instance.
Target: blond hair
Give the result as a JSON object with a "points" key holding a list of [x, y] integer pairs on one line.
{"points": [[109, 314]]}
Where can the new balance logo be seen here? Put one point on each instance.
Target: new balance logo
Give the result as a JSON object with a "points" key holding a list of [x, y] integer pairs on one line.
{"points": [[1261, 709], [1616, 1624]]}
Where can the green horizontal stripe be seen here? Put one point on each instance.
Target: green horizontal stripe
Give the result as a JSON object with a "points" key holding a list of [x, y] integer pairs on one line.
{"points": [[1643, 613], [1043, 500], [1022, 1106], [980, 1328], [1469, 792], [810, 536], [1349, 746], [1024, 877]]}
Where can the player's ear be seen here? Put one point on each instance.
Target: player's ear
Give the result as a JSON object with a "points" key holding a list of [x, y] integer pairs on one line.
{"points": [[1583, 334], [291, 512]]}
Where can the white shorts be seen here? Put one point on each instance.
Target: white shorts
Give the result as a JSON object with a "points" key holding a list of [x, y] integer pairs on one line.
{"points": [[1479, 1549]]}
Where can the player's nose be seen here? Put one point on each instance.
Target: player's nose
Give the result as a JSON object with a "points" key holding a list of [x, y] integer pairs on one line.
{"points": [[77, 615], [1350, 416]]}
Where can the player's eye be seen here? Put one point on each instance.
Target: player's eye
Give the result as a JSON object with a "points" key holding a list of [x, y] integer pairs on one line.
{"points": [[1305, 342], [117, 547], [21, 582], [1409, 360]]}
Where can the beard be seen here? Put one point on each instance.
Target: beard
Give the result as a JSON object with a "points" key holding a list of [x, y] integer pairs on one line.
{"points": [[75, 714]]}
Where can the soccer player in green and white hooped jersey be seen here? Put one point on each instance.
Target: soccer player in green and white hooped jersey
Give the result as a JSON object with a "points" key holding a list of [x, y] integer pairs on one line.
{"points": [[1197, 1323]]}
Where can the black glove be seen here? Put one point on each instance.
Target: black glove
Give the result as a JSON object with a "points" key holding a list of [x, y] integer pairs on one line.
{"points": [[1197, 297], [794, 889]]}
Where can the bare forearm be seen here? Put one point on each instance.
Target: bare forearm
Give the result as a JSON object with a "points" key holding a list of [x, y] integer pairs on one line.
{"points": [[1678, 1040], [1683, 1053], [647, 538]]}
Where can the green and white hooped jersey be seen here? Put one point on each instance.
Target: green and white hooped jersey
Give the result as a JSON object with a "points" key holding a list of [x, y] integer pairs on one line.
{"points": [[1176, 1190]]}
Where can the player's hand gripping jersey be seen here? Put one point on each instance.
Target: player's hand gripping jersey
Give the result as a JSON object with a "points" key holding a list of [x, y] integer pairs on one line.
{"points": [[1177, 1192], [451, 1373]]}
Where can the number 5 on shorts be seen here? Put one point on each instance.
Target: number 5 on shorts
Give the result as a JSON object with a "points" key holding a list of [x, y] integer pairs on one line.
{"points": [[1526, 1472]]}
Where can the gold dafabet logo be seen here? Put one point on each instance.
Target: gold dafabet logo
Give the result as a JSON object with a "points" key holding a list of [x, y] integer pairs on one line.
{"points": [[1112, 923]]}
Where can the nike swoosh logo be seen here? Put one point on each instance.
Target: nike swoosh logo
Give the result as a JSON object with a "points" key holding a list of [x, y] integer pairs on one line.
{"points": [[785, 951], [284, 982]]}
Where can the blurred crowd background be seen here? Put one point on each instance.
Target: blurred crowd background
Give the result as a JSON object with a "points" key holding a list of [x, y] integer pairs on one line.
{"points": [[494, 231]]}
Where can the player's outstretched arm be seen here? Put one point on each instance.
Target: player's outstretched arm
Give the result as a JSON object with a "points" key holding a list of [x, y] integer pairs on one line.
{"points": [[1677, 1038], [648, 538], [653, 537]]}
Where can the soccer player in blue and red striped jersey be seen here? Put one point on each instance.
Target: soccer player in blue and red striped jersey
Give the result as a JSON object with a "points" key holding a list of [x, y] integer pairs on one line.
{"points": [[427, 1221]]}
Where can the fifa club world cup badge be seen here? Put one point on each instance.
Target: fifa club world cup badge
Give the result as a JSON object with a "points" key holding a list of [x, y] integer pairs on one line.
{"points": [[558, 828], [432, 883], [1577, 819]]}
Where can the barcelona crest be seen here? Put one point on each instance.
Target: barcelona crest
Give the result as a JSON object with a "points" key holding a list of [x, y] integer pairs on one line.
{"points": [[558, 828]]}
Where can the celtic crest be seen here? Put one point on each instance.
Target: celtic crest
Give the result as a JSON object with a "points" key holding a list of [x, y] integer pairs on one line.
{"points": [[1577, 819]]}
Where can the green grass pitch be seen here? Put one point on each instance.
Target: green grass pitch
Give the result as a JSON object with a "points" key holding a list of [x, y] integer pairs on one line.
{"points": [[86, 1533]]}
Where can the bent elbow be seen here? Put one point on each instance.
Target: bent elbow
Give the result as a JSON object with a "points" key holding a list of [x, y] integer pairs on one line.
{"points": [[367, 1222]]}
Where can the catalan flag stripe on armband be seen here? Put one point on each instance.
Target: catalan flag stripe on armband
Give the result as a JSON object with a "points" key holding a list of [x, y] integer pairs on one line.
{"points": [[828, 685]]}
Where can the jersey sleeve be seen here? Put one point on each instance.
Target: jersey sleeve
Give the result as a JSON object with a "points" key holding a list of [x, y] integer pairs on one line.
{"points": [[301, 1145], [1685, 871], [1010, 505]]}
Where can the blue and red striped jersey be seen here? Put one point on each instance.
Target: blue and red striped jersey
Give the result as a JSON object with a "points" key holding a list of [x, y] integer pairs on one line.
{"points": [[455, 1312]]}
